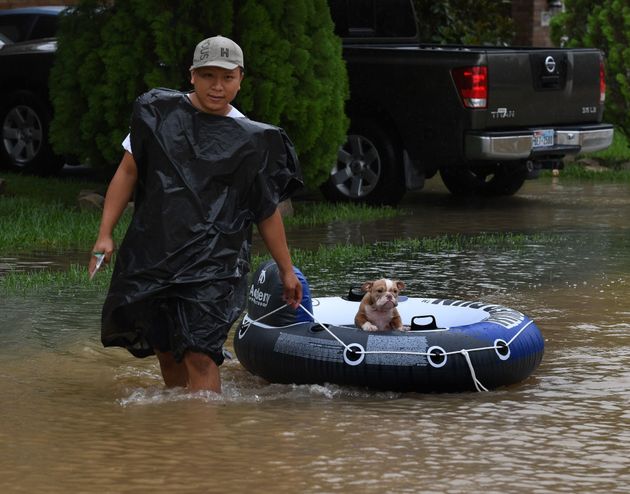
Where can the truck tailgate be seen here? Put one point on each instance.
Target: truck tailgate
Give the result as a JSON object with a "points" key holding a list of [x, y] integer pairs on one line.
{"points": [[537, 87]]}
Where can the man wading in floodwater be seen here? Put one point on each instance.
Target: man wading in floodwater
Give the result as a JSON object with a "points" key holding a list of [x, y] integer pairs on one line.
{"points": [[201, 175]]}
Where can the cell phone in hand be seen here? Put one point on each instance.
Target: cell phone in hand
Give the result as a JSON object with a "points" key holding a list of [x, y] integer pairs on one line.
{"points": [[100, 259]]}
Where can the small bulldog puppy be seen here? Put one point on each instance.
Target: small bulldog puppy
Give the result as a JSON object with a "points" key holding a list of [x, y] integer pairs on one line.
{"points": [[377, 311]]}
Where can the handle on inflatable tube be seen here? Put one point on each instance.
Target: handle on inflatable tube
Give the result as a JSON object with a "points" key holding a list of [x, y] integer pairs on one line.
{"points": [[355, 294], [423, 327]]}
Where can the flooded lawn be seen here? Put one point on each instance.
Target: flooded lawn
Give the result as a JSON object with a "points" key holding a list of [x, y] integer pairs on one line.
{"points": [[79, 418]]}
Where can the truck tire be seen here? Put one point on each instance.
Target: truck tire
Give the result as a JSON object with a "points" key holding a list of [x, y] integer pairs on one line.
{"points": [[24, 144], [492, 179], [367, 168]]}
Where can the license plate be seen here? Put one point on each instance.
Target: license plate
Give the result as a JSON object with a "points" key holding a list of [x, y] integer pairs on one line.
{"points": [[543, 138]]}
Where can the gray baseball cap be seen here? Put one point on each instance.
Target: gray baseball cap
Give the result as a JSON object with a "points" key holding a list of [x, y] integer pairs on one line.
{"points": [[218, 51]]}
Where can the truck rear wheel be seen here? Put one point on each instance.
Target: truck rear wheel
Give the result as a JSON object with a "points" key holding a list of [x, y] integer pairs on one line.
{"points": [[493, 179], [24, 144], [367, 169]]}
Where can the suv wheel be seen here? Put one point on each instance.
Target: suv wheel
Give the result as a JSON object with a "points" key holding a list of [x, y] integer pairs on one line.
{"points": [[24, 142], [367, 168]]}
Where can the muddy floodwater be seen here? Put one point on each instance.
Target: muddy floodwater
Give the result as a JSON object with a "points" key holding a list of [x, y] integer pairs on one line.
{"points": [[75, 417]]}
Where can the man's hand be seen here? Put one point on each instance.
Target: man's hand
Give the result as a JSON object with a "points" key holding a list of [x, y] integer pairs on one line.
{"points": [[272, 232], [103, 247], [292, 289]]}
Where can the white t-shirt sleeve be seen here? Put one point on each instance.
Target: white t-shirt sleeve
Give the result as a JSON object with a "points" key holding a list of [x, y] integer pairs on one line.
{"points": [[126, 144], [233, 113]]}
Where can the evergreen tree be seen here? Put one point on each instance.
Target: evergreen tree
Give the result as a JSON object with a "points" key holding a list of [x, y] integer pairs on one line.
{"points": [[603, 24], [76, 62], [109, 54], [295, 77], [470, 22], [569, 27]]}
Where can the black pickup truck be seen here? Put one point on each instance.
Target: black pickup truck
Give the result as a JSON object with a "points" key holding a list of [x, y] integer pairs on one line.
{"points": [[485, 117]]}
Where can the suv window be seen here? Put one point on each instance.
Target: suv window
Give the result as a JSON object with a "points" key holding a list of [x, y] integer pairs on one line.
{"points": [[45, 27], [373, 18], [26, 27], [16, 27]]}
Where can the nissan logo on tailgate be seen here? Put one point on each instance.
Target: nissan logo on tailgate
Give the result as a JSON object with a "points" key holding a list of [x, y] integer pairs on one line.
{"points": [[550, 64]]}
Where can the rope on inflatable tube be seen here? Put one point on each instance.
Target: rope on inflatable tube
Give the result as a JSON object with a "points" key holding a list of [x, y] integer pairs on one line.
{"points": [[354, 353]]}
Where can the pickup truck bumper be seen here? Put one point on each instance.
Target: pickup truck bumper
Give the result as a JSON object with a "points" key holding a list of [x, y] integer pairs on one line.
{"points": [[514, 145]]}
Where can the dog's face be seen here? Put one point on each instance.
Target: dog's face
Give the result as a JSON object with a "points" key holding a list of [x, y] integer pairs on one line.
{"points": [[377, 310], [383, 293]]}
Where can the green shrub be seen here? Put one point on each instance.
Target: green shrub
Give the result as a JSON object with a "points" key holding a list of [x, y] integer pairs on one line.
{"points": [[296, 77], [569, 27], [473, 22], [110, 54], [604, 24]]}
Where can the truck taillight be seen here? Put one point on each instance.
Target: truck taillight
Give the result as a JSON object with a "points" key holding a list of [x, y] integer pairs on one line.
{"points": [[602, 83], [472, 84]]}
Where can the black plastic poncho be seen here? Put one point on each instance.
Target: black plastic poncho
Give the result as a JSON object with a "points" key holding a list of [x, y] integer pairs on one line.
{"points": [[203, 180]]}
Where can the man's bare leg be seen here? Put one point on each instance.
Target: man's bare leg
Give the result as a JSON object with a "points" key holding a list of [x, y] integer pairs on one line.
{"points": [[174, 373], [203, 373]]}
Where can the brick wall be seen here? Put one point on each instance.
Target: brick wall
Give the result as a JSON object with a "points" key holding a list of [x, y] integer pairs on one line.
{"points": [[523, 14], [540, 24], [531, 20]]}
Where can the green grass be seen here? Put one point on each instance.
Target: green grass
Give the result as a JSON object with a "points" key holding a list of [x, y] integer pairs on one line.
{"points": [[619, 150], [43, 213], [326, 259], [614, 159], [47, 190], [578, 171], [338, 257], [315, 213], [28, 224], [21, 283]]}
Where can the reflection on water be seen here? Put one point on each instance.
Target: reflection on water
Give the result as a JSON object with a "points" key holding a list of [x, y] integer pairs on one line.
{"points": [[79, 418], [40, 260]]}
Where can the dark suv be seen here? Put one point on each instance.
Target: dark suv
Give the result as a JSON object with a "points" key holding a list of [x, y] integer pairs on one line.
{"points": [[26, 56]]}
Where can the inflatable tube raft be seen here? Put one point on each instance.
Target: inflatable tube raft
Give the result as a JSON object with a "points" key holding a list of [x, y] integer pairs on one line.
{"points": [[451, 345]]}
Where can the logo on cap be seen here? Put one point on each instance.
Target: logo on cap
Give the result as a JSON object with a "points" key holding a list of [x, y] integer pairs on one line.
{"points": [[218, 51]]}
